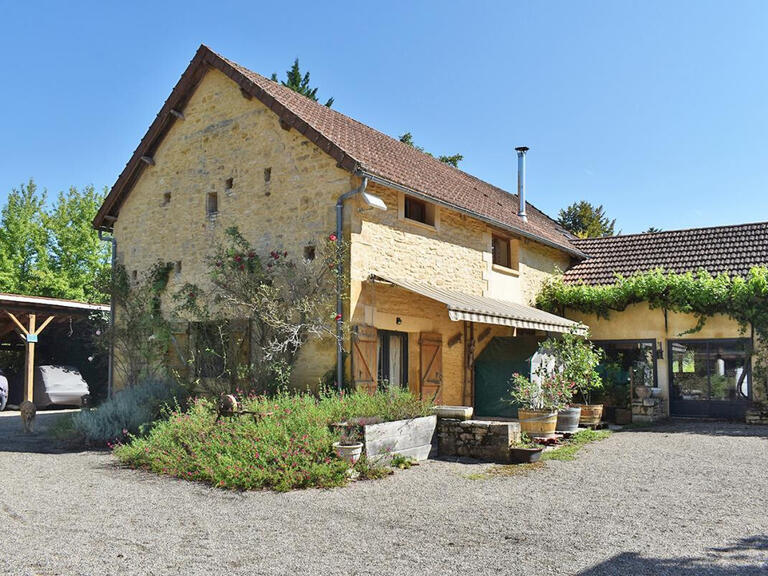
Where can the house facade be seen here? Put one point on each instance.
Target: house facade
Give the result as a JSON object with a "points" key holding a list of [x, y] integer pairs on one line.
{"points": [[441, 283], [448, 266]]}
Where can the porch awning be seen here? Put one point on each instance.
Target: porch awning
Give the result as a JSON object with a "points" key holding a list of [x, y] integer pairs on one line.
{"points": [[488, 310]]}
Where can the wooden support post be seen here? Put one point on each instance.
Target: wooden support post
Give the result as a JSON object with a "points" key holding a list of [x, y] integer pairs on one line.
{"points": [[29, 372]]}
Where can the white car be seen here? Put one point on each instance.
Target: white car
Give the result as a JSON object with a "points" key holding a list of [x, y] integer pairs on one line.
{"points": [[3, 391], [60, 385]]}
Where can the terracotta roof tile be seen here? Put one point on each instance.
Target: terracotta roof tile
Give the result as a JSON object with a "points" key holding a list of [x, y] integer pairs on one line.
{"points": [[358, 147], [723, 249]]}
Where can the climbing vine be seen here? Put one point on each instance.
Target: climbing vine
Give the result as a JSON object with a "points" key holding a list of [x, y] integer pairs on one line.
{"points": [[700, 294]]}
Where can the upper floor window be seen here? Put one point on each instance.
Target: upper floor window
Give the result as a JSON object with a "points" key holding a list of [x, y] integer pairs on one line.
{"points": [[504, 251], [212, 204], [419, 211]]}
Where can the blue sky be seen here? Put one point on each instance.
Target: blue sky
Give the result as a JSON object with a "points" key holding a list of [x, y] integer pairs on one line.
{"points": [[658, 110]]}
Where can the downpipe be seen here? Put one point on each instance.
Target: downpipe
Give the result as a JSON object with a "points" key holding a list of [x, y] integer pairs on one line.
{"points": [[340, 283]]}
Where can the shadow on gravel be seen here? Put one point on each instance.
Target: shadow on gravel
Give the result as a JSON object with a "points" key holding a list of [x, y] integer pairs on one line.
{"points": [[14, 439], [705, 427], [745, 557]]}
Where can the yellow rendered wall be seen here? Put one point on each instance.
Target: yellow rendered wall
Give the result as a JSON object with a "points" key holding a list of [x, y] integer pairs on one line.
{"points": [[639, 322]]}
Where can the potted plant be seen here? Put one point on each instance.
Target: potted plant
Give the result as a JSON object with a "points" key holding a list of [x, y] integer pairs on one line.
{"points": [[525, 451], [539, 402], [349, 447], [576, 359]]}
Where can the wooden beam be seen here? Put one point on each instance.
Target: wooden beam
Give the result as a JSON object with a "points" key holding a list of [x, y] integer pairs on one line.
{"points": [[29, 372], [148, 160], [44, 324], [177, 114], [16, 321]]}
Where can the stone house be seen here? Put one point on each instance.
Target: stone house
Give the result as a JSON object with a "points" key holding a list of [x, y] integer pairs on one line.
{"points": [[441, 283]]}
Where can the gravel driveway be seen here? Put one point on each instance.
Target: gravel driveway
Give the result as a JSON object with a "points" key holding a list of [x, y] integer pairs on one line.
{"points": [[686, 498]]}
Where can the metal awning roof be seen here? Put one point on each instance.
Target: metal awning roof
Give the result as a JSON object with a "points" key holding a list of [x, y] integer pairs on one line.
{"points": [[488, 310]]}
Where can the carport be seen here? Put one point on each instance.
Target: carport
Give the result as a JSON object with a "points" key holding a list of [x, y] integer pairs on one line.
{"points": [[24, 318]]}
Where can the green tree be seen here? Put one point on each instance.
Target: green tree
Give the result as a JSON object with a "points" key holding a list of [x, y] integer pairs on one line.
{"points": [[76, 255], [298, 83], [652, 230], [585, 220], [23, 241], [52, 251], [453, 159]]}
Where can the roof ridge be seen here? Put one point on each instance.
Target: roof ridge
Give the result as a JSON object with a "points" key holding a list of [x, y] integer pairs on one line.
{"points": [[663, 232]]}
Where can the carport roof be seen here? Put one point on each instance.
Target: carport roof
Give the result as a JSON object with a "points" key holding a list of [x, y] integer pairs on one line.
{"points": [[486, 310], [43, 304]]}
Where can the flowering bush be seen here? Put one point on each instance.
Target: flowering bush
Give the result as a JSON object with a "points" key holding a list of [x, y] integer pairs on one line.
{"points": [[285, 301], [554, 392], [287, 445], [576, 359]]}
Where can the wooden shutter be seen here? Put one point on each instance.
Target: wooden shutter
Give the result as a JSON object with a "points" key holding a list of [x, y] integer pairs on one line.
{"points": [[431, 369], [364, 361]]}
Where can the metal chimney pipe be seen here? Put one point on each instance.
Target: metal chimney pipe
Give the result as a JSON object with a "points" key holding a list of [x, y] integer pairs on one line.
{"points": [[521, 150]]}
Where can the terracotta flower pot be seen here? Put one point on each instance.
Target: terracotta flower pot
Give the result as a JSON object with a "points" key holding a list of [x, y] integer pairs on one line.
{"points": [[591, 414], [349, 452], [537, 422]]}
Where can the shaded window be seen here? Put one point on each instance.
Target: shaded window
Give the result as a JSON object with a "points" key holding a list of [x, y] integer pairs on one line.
{"points": [[267, 174], [177, 267], [392, 351], [418, 210], [228, 184], [309, 252], [212, 204], [166, 198], [625, 362], [501, 251]]}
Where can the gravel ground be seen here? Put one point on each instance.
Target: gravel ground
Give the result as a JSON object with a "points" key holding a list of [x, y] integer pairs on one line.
{"points": [[687, 498]]}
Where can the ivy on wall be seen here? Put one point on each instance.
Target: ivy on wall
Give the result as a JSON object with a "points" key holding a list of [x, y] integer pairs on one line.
{"points": [[701, 294]]}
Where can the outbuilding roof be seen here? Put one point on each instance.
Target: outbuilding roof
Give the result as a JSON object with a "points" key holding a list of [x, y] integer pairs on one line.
{"points": [[355, 146], [722, 249]]}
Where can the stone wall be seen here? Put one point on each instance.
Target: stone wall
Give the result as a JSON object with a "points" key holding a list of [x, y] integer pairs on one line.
{"points": [[479, 439]]}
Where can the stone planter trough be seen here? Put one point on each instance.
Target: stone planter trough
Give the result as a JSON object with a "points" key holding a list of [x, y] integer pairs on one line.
{"points": [[411, 438]]}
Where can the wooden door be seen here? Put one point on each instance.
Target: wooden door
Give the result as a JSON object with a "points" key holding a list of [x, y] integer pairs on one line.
{"points": [[431, 369], [364, 361]]}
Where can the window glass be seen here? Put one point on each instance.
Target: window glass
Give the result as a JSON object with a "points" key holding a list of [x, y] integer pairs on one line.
{"points": [[710, 370], [625, 362], [415, 210], [393, 359], [501, 254]]}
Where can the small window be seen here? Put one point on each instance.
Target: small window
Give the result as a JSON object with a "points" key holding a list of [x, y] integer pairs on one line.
{"points": [[229, 184], [212, 204], [504, 252], [309, 252], [177, 267], [135, 275], [419, 211], [267, 174], [166, 199]]}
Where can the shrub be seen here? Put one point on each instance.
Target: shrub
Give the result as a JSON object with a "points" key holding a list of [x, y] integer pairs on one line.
{"points": [[286, 444], [129, 411]]}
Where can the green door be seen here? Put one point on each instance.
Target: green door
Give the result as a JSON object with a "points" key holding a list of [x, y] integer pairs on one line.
{"points": [[494, 367]]}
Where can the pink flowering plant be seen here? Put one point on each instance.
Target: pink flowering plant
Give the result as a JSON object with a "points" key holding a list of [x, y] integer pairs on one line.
{"points": [[552, 392], [285, 442]]}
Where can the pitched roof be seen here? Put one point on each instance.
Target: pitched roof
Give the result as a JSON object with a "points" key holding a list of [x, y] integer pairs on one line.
{"points": [[729, 249], [355, 146]]}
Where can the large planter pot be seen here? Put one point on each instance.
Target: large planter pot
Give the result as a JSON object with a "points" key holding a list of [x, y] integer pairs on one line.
{"points": [[568, 419], [537, 422], [411, 438], [349, 452], [524, 455], [591, 414]]}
